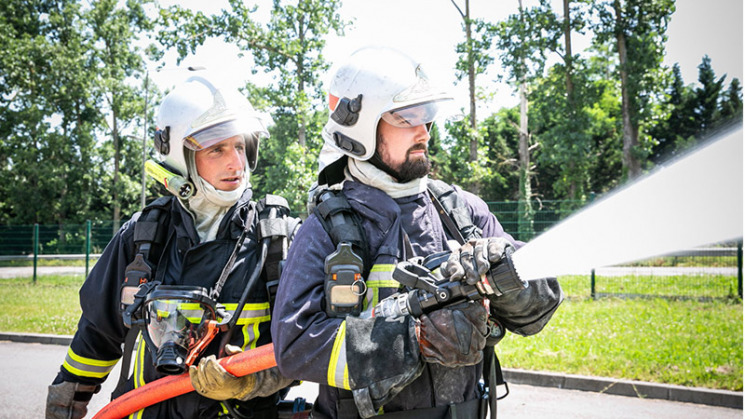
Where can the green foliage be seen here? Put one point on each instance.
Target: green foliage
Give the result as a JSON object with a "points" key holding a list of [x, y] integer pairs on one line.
{"points": [[63, 81], [580, 141], [689, 113], [635, 31], [282, 159], [72, 91], [289, 48], [525, 38]]}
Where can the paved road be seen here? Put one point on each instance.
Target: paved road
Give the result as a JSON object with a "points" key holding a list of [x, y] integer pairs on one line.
{"points": [[27, 368], [28, 271]]}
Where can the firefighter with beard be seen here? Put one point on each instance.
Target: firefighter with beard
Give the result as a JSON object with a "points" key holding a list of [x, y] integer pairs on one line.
{"points": [[374, 166]]}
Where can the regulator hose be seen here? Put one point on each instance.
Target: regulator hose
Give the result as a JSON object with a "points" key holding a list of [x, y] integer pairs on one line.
{"points": [[240, 364]]}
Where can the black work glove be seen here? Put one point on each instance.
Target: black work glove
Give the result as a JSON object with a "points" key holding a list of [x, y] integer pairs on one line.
{"points": [[68, 400], [453, 336], [484, 263]]}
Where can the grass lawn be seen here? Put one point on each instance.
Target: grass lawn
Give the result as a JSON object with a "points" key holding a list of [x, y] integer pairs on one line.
{"points": [[686, 342], [683, 342]]}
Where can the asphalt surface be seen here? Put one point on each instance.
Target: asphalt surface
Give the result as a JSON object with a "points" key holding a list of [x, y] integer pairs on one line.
{"points": [[28, 368]]}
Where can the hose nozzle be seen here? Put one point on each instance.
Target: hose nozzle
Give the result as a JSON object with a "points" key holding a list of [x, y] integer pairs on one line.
{"points": [[176, 184]]}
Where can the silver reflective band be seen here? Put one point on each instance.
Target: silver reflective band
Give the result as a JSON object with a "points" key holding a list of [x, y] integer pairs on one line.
{"points": [[210, 136], [415, 115]]}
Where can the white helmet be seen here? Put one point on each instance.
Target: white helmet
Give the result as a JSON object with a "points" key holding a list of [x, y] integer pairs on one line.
{"points": [[197, 114], [375, 83]]}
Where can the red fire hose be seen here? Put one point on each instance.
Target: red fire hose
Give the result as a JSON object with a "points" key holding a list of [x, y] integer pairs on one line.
{"points": [[241, 364]]}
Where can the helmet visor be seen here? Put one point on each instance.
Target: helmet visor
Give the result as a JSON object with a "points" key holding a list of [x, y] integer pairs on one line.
{"points": [[418, 114], [177, 321], [249, 127]]}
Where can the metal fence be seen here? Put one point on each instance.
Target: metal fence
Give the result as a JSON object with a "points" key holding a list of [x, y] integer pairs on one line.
{"points": [[698, 273]]}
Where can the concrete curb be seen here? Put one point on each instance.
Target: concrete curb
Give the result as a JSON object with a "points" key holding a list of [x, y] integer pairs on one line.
{"points": [[640, 389], [36, 338]]}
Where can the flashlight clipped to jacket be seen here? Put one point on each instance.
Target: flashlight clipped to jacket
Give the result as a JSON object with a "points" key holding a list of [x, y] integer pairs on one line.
{"points": [[176, 184]]}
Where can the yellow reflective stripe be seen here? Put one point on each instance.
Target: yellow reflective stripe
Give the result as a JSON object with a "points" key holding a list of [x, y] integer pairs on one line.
{"points": [[381, 276], [138, 370], [250, 335], [383, 283], [87, 367], [251, 313], [383, 267], [338, 373], [138, 374]]}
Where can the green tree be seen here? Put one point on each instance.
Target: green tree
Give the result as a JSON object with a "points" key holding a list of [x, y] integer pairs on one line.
{"points": [[707, 96], [115, 29], [731, 104], [47, 113], [473, 59], [289, 48], [692, 112], [679, 127], [635, 30], [523, 39]]}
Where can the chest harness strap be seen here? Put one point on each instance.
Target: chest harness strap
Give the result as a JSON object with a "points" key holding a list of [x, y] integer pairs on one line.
{"points": [[150, 235]]}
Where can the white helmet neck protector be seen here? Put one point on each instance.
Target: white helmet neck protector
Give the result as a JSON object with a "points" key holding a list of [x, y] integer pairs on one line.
{"points": [[378, 83], [198, 114]]}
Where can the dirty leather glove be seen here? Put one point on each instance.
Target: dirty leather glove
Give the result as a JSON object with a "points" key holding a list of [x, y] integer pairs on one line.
{"points": [[474, 259], [454, 336], [487, 258], [69, 400], [211, 380]]}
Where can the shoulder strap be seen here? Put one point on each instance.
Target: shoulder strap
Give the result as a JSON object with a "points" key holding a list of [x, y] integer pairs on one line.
{"points": [[152, 227], [150, 235], [453, 211], [275, 223], [343, 225]]}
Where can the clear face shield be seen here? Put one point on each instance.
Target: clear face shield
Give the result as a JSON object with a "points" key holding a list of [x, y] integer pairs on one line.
{"points": [[421, 114], [177, 323], [250, 128]]}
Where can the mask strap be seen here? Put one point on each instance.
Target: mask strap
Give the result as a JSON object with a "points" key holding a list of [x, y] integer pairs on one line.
{"points": [[215, 292]]}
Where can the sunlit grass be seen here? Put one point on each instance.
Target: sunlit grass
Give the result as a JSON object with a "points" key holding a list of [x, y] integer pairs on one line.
{"points": [[681, 342], [48, 306]]}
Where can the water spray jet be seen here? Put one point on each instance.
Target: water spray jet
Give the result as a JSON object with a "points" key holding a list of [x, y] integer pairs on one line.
{"points": [[693, 201]]}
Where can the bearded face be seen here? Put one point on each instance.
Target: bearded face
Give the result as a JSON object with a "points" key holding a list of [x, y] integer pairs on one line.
{"points": [[403, 151]]}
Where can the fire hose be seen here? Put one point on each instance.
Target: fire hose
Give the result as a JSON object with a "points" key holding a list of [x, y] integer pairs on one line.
{"points": [[241, 364]]}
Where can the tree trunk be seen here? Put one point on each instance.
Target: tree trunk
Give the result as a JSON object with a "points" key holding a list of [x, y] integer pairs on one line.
{"points": [[115, 186], [569, 68], [525, 210], [631, 164], [568, 58], [301, 132], [301, 112], [474, 149]]}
